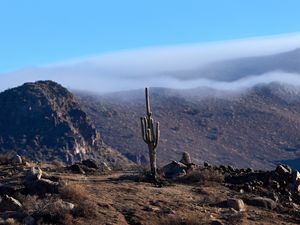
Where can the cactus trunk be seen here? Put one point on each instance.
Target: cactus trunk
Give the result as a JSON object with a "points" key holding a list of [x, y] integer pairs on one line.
{"points": [[150, 134]]}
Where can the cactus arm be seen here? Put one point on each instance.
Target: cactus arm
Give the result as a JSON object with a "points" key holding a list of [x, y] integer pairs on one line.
{"points": [[147, 102], [143, 126], [157, 135], [151, 127]]}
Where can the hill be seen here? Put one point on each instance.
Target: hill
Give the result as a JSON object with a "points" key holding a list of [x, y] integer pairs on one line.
{"points": [[43, 121], [256, 128]]}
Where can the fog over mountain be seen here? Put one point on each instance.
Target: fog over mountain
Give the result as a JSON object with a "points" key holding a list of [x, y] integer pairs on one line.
{"points": [[224, 65]]}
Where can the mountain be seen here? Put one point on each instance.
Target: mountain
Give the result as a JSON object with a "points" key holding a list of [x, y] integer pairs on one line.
{"points": [[235, 69], [258, 128], [44, 121]]}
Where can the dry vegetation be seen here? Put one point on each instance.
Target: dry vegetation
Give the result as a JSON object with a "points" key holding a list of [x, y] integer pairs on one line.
{"points": [[126, 198]]}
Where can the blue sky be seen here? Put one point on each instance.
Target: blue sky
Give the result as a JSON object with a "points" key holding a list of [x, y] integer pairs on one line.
{"points": [[35, 32]]}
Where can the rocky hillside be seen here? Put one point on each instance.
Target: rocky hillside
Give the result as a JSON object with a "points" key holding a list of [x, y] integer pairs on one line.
{"points": [[44, 121], [256, 128]]}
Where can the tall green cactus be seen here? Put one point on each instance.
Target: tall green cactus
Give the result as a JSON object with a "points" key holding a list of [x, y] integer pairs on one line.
{"points": [[150, 135]]}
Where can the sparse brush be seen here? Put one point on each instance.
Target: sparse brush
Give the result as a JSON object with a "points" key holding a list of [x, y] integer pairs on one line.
{"points": [[51, 209], [87, 209], [73, 192]]}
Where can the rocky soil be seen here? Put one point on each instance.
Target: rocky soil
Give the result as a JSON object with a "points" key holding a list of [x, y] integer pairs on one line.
{"points": [[198, 194]]}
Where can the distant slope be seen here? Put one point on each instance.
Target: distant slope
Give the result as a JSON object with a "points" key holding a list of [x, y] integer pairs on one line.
{"points": [[235, 69], [257, 128], [44, 121]]}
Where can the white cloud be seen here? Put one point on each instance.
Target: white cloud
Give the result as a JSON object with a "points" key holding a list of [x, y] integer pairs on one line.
{"points": [[152, 66]]}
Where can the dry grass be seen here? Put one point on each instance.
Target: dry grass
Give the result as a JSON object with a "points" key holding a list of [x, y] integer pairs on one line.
{"points": [[176, 220], [50, 209], [74, 192], [202, 176]]}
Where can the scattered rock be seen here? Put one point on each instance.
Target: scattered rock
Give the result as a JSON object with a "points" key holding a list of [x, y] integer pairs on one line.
{"points": [[237, 204], [186, 159], [261, 202], [8, 203]]}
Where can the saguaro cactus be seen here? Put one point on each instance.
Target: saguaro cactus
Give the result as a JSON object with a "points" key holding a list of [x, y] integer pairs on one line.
{"points": [[150, 135]]}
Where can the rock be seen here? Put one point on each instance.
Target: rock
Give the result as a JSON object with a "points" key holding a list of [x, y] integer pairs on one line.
{"points": [[35, 173], [67, 206], [16, 159], [186, 159], [167, 210], [230, 168], [284, 170], [8, 189], [151, 208], [174, 169], [273, 196], [104, 167], [76, 169], [206, 164], [90, 163], [237, 204], [42, 187], [8, 203], [29, 220], [216, 222], [296, 181], [249, 170], [262, 202]]}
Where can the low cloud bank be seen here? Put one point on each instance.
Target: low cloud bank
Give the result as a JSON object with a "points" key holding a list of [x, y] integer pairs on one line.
{"points": [[174, 67]]}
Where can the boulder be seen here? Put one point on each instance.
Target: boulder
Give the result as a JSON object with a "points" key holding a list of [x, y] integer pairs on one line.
{"points": [[8, 203], [42, 186], [237, 204], [76, 168], [35, 173], [174, 169], [206, 164], [263, 202], [67, 206], [284, 170], [296, 182], [90, 163], [16, 159], [104, 167], [186, 159], [29, 220], [8, 189]]}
